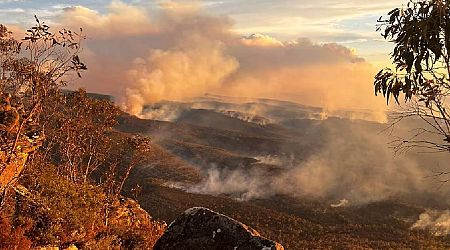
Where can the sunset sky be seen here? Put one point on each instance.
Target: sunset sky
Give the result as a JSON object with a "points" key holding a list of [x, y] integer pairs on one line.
{"points": [[323, 53], [347, 22]]}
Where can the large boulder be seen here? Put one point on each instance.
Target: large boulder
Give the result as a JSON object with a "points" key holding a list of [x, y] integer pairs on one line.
{"points": [[200, 228]]}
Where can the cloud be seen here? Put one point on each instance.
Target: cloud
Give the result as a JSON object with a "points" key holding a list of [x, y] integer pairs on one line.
{"points": [[322, 21], [325, 75], [10, 1], [177, 52], [281, 12], [121, 20], [260, 40], [12, 11], [291, 16]]}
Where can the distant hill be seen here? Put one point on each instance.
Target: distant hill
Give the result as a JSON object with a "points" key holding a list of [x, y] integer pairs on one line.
{"points": [[93, 95], [204, 141]]}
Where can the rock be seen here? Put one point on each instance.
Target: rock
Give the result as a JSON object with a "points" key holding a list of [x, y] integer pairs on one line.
{"points": [[14, 147], [13, 163], [127, 213], [11, 169], [71, 247], [201, 228], [48, 248]]}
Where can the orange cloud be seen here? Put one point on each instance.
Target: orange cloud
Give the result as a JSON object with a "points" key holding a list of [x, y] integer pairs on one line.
{"points": [[180, 52], [260, 40], [122, 20]]}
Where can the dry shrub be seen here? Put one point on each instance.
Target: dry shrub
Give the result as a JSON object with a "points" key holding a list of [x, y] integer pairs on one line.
{"points": [[63, 213], [12, 237]]}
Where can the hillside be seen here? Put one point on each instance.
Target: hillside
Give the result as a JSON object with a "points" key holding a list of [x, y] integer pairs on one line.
{"points": [[172, 125], [225, 150]]}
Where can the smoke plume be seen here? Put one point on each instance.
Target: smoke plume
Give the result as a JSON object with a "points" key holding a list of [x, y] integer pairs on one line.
{"points": [[437, 222], [176, 52], [353, 164]]}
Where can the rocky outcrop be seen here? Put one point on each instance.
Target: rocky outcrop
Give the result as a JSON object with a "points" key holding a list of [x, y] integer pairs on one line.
{"points": [[126, 226], [15, 143], [201, 228], [11, 168], [12, 161], [127, 213]]}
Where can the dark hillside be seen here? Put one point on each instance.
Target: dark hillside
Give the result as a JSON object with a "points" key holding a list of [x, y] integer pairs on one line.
{"points": [[202, 140]]}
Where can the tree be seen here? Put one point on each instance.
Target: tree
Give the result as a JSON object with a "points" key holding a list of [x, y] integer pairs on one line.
{"points": [[32, 71], [54, 145], [77, 139], [73, 130], [81, 141], [421, 55]]}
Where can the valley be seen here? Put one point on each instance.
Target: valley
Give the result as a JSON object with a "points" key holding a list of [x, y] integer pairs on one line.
{"points": [[255, 173]]}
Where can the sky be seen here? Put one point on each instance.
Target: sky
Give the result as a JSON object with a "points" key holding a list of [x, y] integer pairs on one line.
{"points": [[323, 53], [348, 22]]}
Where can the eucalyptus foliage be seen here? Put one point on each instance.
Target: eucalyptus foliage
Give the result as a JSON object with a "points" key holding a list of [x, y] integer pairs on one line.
{"points": [[420, 32]]}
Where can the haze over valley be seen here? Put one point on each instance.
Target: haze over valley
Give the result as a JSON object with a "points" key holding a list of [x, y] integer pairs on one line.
{"points": [[265, 121]]}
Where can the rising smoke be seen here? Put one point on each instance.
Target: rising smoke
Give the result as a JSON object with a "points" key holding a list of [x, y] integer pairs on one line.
{"points": [[176, 52], [438, 222], [353, 164]]}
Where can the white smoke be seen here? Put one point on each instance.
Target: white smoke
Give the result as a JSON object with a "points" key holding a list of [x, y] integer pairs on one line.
{"points": [[163, 112], [236, 182], [354, 163], [194, 67], [437, 222], [177, 51], [341, 203], [269, 159]]}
